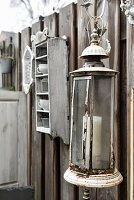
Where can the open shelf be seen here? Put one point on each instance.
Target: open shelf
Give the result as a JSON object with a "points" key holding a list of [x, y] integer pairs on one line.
{"points": [[44, 93], [43, 111], [41, 57], [43, 130], [41, 75], [41, 90]]}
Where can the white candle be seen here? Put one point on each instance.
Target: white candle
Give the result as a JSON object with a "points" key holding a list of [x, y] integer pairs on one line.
{"points": [[88, 144], [97, 143]]}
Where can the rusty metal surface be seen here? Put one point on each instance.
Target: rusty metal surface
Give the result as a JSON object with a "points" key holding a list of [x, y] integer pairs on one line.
{"points": [[94, 50], [94, 70], [98, 181], [87, 172]]}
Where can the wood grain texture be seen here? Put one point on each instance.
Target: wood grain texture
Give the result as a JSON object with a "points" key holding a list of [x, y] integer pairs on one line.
{"points": [[25, 40], [51, 22], [82, 20], [113, 35], [68, 27], [23, 133], [123, 26], [16, 73], [130, 84], [123, 120], [19, 63], [51, 154], [58, 88], [13, 156]]}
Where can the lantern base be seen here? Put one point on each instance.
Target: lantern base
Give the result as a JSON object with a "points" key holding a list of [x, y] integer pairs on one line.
{"points": [[97, 181]]}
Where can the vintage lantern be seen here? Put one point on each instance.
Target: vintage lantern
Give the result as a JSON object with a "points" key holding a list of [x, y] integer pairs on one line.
{"points": [[92, 162]]}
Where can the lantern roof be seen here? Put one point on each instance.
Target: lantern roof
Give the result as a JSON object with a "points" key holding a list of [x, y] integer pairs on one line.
{"points": [[94, 49], [90, 68]]}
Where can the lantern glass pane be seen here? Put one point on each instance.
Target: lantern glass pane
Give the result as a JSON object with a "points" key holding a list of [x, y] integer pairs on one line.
{"points": [[102, 122], [79, 108]]}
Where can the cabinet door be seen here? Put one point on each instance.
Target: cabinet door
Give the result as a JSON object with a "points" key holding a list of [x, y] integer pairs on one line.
{"points": [[13, 139], [58, 88]]}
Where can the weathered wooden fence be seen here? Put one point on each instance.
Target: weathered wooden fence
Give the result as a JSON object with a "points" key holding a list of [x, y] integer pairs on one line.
{"points": [[47, 158]]}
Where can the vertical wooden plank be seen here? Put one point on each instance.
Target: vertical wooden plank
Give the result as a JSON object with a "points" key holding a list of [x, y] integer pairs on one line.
{"points": [[8, 53], [36, 160], [113, 34], [25, 40], [51, 146], [18, 63], [123, 26], [23, 142], [123, 121], [51, 22], [68, 27], [16, 48], [83, 42], [130, 84]]}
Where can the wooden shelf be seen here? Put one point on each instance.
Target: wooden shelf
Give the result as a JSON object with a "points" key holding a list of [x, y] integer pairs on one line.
{"points": [[41, 75], [45, 93], [43, 129], [41, 57], [42, 44], [43, 111]]}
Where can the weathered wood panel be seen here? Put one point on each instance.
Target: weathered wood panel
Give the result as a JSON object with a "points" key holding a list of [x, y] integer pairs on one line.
{"points": [[51, 22], [13, 139], [36, 159], [123, 120], [82, 19], [58, 88], [113, 35], [130, 84], [51, 154], [68, 27], [16, 49], [25, 40]]}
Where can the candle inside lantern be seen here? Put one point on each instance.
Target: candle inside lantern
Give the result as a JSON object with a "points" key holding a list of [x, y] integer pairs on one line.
{"points": [[97, 143]]}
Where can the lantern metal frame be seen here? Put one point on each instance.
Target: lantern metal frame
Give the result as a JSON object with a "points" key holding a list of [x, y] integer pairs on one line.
{"points": [[93, 177]]}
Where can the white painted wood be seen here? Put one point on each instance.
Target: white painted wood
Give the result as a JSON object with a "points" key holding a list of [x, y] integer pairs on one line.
{"points": [[40, 54], [57, 60], [58, 88], [27, 69], [13, 139]]}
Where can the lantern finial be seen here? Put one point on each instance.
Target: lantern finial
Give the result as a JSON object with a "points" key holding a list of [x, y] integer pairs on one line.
{"points": [[95, 37]]}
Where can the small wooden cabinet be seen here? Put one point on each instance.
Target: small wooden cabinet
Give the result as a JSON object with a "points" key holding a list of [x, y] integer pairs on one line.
{"points": [[42, 88], [51, 88]]}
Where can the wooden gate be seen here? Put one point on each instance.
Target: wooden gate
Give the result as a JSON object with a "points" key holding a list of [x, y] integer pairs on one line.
{"points": [[13, 139]]}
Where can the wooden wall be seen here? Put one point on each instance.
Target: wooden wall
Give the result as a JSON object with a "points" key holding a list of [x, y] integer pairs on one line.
{"points": [[47, 158]]}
